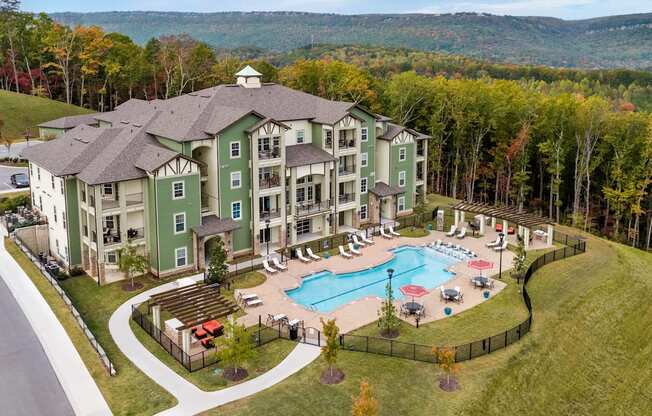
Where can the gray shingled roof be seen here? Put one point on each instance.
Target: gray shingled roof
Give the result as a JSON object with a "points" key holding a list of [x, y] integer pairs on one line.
{"points": [[212, 225], [305, 154], [382, 190], [394, 130], [263, 122], [69, 122]]}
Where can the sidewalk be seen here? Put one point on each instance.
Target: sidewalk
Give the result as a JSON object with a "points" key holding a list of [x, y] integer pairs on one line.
{"points": [[191, 399], [80, 388]]}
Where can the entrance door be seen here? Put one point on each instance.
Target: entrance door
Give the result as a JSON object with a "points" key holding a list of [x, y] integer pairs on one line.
{"points": [[317, 193], [340, 220], [265, 235]]}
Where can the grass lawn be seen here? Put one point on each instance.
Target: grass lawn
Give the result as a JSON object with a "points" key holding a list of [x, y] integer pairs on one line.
{"points": [[413, 232], [588, 353], [125, 392], [22, 112]]}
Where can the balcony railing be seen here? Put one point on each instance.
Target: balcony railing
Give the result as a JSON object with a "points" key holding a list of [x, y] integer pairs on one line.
{"points": [[134, 199], [110, 203], [136, 233], [307, 208], [420, 152], [270, 214], [113, 237], [346, 144], [272, 153], [267, 182], [205, 204], [346, 170], [346, 198]]}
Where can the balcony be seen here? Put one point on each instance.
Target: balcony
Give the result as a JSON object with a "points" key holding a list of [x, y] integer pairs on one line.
{"points": [[136, 233], [421, 150], [111, 237], [346, 198], [308, 208], [273, 153], [109, 203], [267, 182], [270, 214], [344, 144], [205, 204], [134, 199], [346, 170]]}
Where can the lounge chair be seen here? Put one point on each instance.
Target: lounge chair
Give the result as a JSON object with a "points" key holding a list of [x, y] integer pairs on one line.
{"points": [[494, 243], [384, 234], [300, 256], [278, 265], [437, 243], [366, 240], [253, 302], [344, 254], [274, 319], [462, 233], [354, 250], [358, 242], [503, 247], [268, 268], [452, 231], [244, 297], [312, 255], [392, 232]]}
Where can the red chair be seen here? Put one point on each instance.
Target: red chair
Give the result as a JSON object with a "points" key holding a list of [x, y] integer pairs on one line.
{"points": [[213, 327], [499, 227], [201, 333], [207, 342], [510, 230]]}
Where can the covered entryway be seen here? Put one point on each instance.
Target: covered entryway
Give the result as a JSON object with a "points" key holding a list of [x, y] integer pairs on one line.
{"points": [[383, 202], [204, 237]]}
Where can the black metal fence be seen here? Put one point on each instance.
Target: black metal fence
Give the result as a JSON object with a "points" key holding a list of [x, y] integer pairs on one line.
{"points": [[474, 349]]}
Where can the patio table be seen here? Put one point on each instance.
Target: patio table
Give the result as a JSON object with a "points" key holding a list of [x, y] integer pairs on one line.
{"points": [[450, 294], [482, 280], [413, 307]]}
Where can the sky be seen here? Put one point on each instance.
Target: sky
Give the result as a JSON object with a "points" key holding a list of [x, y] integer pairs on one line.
{"points": [[565, 9]]}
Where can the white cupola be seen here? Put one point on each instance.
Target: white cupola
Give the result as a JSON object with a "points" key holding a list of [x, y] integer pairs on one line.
{"points": [[249, 77]]}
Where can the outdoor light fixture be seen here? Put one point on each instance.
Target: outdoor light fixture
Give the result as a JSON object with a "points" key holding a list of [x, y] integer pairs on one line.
{"points": [[500, 267], [390, 273]]}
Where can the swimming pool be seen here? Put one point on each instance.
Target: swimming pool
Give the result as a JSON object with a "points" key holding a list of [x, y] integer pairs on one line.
{"points": [[326, 291]]}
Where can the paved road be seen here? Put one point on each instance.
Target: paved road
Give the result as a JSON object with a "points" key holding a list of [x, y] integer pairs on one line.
{"points": [[28, 384], [16, 148], [5, 175]]}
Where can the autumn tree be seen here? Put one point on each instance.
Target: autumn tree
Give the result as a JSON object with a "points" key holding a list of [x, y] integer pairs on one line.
{"points": [[330, 350], [446, 362], [365, 404]]}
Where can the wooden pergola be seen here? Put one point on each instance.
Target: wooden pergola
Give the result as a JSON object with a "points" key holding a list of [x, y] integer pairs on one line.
{"points": [[194, 305]]}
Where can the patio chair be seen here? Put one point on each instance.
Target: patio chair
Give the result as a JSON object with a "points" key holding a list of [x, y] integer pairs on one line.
{"points": [[301, 257], [354, 250], [269, 268], [490, 283], [356, 241], [459, 298], [244, 297], [442, 294], [384, 234], [278, 265], [404, 311], [421, 313], [366, 240], [312, 255], [462, 233], [344, 254], [452, 231], [494, 243], [392, 232]]}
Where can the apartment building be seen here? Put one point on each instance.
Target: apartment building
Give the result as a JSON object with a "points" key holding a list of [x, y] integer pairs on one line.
{"points": [[258, 164]]}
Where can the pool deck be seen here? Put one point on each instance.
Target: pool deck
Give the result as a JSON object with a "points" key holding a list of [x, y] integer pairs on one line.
{"points": [[364, 311]]}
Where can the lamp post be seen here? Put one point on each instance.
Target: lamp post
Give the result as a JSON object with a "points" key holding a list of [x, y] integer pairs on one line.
{"points": [[500, 266], [390, 273], [267, 235]]}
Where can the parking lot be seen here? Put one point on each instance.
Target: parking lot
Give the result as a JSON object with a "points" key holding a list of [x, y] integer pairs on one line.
{"points": [[5, 175]]}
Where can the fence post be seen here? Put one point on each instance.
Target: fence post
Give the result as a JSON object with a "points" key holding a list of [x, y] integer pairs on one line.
{"points": [[414, 352], [367, 344]]}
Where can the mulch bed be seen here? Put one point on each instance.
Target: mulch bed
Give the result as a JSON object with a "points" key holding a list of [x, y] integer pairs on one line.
{"points": [[127, 287], [389, 334], [231, 375], [336, 377], [445, 385]]}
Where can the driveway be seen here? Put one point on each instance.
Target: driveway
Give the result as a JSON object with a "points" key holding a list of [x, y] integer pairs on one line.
{"points": [[28, 384], [5, 175]]}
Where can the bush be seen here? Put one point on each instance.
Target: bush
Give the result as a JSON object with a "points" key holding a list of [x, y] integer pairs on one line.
{"points": [[10, 204]]}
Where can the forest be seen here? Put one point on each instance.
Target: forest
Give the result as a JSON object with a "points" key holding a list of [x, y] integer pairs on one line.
{"points": [[572, 145]]}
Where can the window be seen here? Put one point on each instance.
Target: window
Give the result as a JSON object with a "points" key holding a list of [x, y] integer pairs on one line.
{"points": [[363, 185], [236, 210], [303, 227], [301, 135], [56, 241], [180, 223], [52, 180], [301, 195], [108, 189], [401, 204], [108, 222], [83, 195], [328, 135], [63, 220], [38, 173], [181, 256], [54, 209], [40, 202], [61, 183], [364, 134], [236, 180], [178, 190], [401, 178], [364, 159], [111, 257], [31, 172], [402, 154], [363, 212], [235, 150]]}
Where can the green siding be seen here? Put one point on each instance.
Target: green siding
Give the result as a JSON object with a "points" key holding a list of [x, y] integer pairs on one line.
{"points": [[171, 144], [167, 207], [72, 214], [368, 147], [395, 166], [241, 237], [317, 134], [151, 226], [48, 132]]}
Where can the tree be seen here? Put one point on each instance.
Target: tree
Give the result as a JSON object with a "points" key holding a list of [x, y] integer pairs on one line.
{"points": [[388, 320], [365, 404], [446, 361], [235, 348], [218, 269], [519, 260], [131, 263], [330, 349]]}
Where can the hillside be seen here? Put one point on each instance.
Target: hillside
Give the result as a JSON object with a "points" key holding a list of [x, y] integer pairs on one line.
{"points": [[21, 112], [616, 41]]}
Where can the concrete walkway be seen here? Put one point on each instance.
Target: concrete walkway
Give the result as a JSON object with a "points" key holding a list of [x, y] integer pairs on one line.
{"points": [[192, 400], [80, 388]]}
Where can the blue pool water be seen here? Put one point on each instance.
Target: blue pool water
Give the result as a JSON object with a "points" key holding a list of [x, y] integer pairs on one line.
{"points": [[326, 291]]}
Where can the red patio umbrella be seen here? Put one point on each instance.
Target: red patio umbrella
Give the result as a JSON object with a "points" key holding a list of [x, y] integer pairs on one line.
{"points": [[415, 291], [480, 265]]}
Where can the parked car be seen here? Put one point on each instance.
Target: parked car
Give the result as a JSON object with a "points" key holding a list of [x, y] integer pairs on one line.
{"points": [[20, 180]]}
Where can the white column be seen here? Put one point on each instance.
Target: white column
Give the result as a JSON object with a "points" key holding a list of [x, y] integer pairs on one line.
{"points": [[462, 217], [551, 230], [526, 237], [505, 225], [293, 205], [185, 340], [520, 231], [457, 217], [493, 223], [156, 316], [482, 224]]}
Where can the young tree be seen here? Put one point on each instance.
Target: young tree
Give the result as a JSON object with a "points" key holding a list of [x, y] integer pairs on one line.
{"points": [[330, 349], [519, 260], [388, 320], [131, 263], [218, 269], [364, 404], [446, 361], [235, 348]]}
